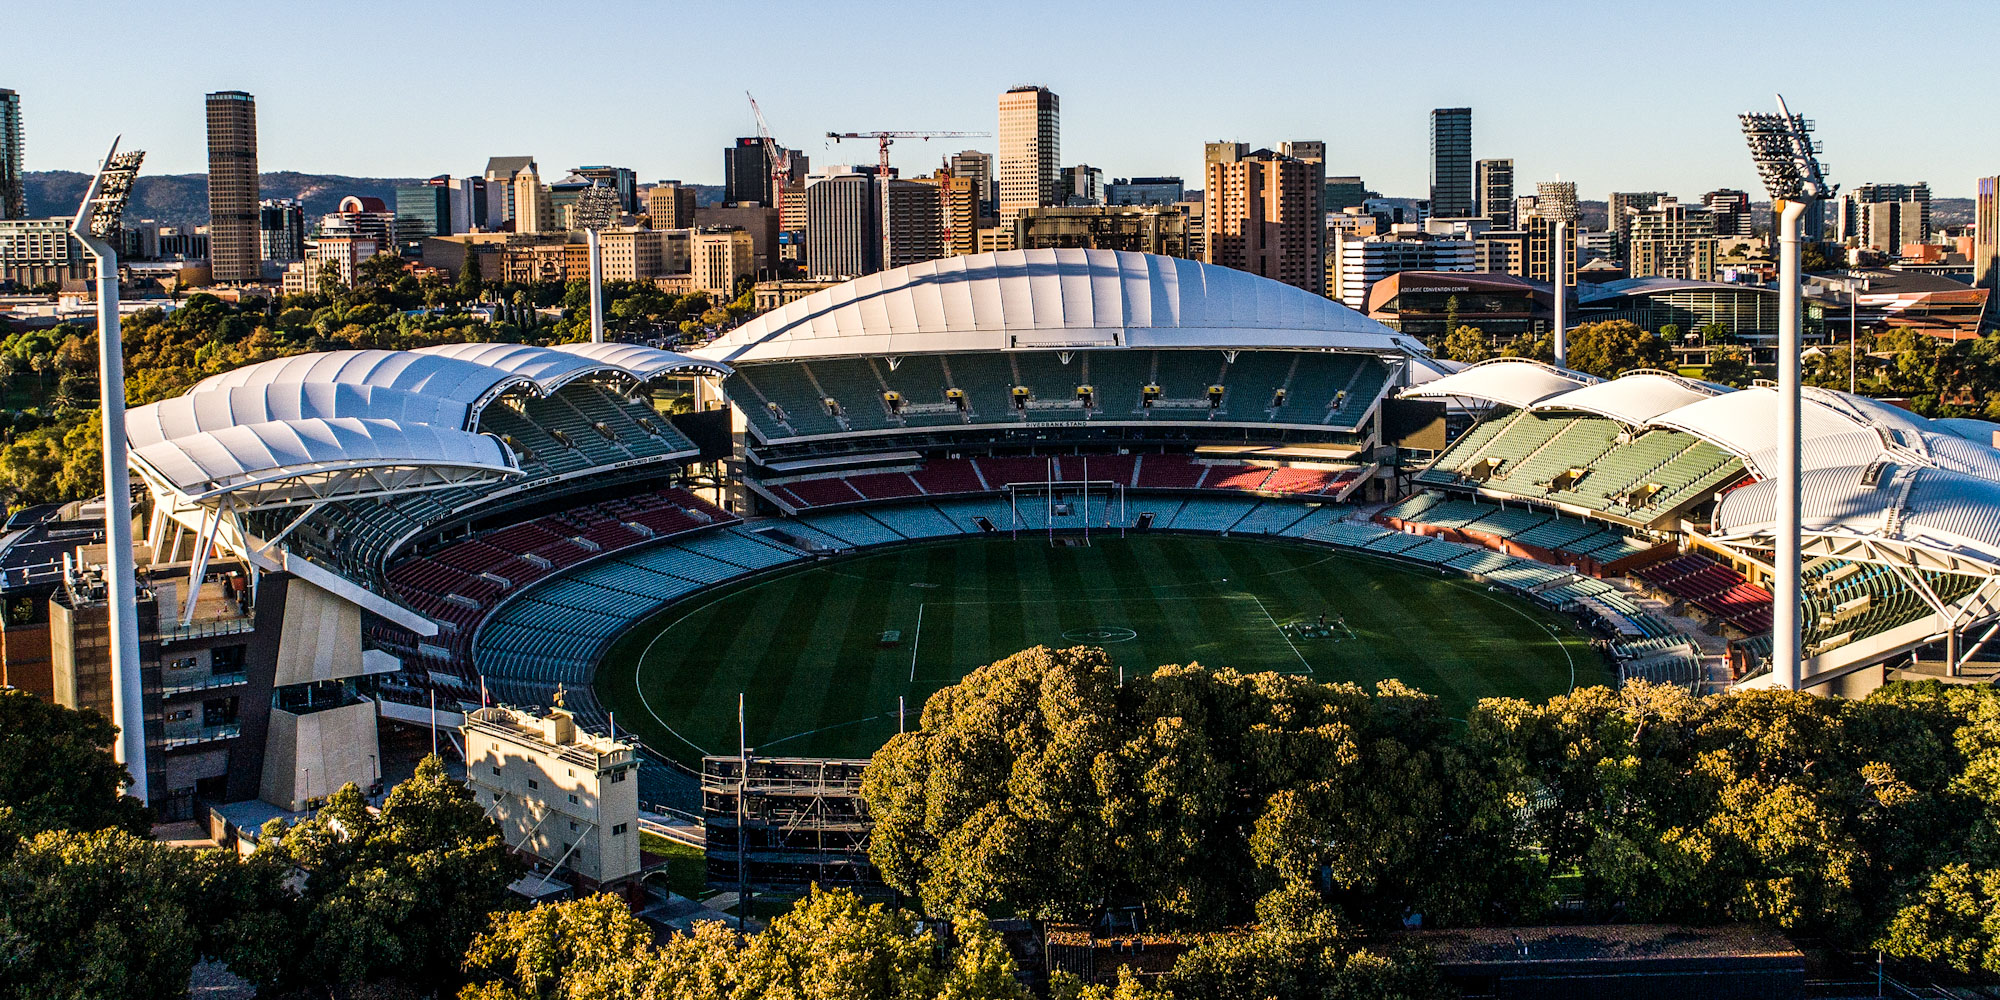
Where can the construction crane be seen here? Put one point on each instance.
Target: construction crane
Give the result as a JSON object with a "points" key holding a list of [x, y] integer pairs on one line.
{"points": [[780, 172], [883, 141]]}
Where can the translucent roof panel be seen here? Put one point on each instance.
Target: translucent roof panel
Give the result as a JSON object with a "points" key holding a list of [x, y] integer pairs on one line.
{"points": [[1746, 423], [640, 361], [1935, 508], [1052, 299], [547, 368], [210, 411], [465, 383], [288, 460], [1633, 398], [1515, 382]]}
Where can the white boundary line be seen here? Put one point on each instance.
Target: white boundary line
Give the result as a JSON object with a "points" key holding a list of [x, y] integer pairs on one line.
{"points": [[915, 641], [1281, 631]]}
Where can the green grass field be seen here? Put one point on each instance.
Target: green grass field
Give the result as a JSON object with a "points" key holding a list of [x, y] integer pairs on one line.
{"points": [[806, 649]]}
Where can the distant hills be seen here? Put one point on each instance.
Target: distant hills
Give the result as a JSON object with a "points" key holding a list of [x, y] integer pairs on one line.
{"points": [[182, 199]]}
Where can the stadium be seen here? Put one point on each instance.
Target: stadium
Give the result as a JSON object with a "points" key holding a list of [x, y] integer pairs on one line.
{"points": [[892, 481]]}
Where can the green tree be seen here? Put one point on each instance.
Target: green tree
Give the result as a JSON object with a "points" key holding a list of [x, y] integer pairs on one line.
{"points": [[587, 949], [106, 914], [57, 771], [471, 281], [1468, 344], [1612, 347], [397, 895]]}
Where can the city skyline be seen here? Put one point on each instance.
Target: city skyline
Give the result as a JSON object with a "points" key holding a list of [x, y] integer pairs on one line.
{"points": [[672, 124]]}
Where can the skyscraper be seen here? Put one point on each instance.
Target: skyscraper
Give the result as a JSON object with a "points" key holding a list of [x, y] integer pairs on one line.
{"points": [[978, 166], [232, 186], [746, 173], [281, 230], [1262, 214], [425, 209], [500, 173], [1495, 190], [1030, 144], [1451, 163], [13, 196], [842, 237]]}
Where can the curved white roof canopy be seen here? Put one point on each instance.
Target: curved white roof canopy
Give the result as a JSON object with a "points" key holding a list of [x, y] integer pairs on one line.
{"points": [[1836, 430], [640, 361], [1937, 509], [467, 384], [1633, 398], [1068, 298], [1515, 382], [1968, 428], [199, 412], [281, 462]]}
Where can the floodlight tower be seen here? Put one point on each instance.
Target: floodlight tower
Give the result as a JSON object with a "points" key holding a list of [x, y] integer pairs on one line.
{"points": [[595, 207], [1787, 160], [96, 226], [1558, 269]]}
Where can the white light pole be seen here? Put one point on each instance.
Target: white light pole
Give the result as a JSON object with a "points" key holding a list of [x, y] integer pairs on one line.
{"points": [[96, 225], [1558, 267], [1784, 153], [596, 206]]}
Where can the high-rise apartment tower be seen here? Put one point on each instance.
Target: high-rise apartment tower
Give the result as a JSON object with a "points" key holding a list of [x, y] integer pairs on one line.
{"points": [[1495, 189], [1262, 214], [13, 194], [233, 253]]}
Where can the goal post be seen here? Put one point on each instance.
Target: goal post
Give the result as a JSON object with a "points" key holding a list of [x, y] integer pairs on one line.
{"points": [[1050, 493]]}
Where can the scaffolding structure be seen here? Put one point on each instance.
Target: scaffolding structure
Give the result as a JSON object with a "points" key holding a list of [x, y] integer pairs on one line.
{"points": [[789, 823]]}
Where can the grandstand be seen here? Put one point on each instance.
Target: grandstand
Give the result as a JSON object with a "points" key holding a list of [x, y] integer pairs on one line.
{"points": [[1564, 466]]}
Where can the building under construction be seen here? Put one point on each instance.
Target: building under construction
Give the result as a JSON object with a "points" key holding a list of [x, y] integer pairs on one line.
{"points": [[795, 822]]}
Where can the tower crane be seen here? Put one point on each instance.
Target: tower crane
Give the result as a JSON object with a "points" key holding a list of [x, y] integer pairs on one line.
{"points": [[883, 140], [780, 172]]}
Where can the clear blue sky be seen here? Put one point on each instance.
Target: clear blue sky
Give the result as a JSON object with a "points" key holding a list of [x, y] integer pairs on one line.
{"points": [[1619, 95]]}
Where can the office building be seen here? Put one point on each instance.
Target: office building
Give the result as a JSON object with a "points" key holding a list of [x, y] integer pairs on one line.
{"points": [[1157, 229], [1082, 185], [626, 254], [1986, 234], [232, 186], [281, 230], [670, 205], [1030, 147], [1451, 163], [1672, 240], [1144, 191], [958, 204], [1343, 193], [501, 172], [1313, 150], [13, 190], [985, 181], [718, 258], [34, 251], [1885, 216], [619, 179], [532, 209], [842, 240], [567, 797], [916, 222], [1262, 214], [425, 209], [1494, 188], [1501, 251], [1621, 206], [746, 174], [1366, 260], [1732, 211], [760, 222]]}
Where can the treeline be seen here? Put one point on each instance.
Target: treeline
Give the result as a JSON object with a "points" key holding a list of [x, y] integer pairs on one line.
{"points": [[1940, 376], [1039, 785]]}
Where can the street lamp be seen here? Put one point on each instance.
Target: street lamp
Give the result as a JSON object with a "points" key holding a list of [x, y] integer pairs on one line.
{"points": [[1785, 154], [96, 226], [595, 207]]}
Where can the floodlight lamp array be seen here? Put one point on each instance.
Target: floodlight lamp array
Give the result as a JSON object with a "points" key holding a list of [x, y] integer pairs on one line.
{"points": [[107, 208], [595, 207], [1786, 156]]}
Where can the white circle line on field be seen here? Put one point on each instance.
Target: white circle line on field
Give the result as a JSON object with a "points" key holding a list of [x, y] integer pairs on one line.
{"points": [[1101, 633]]}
